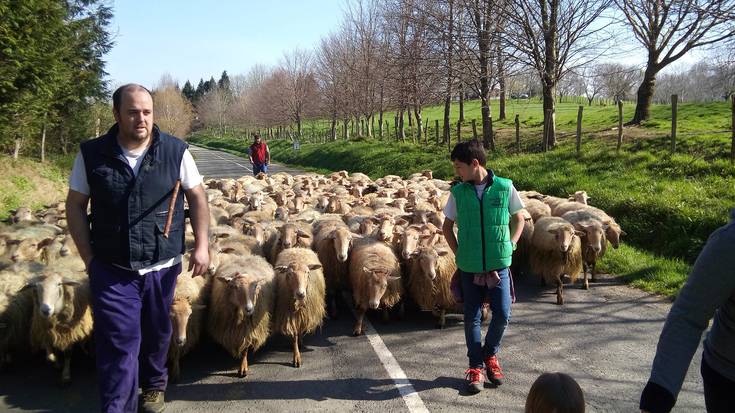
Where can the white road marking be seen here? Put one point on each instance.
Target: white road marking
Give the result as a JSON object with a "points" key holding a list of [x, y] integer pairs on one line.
{"points": [[403, 384]]}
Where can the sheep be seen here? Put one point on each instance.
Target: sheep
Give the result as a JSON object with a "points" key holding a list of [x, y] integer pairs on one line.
{"points": [[430, 274], [296, 234], [594, 244], [552, 201], [565, 207], [613, 232], [300, 296], [62, 315], [332, 243], [375, 279], [556, 251], [241, 306], [17, 311], [22, 214], [537, 209], [218, 216], [523, 248], [580, 196], [187, 319]]}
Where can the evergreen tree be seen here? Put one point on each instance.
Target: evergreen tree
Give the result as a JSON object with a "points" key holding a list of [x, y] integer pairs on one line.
{"points": [[188, 91], [224, 82], [201, 90]]}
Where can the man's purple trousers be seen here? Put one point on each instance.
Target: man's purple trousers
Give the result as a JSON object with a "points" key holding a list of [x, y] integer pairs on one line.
{"points": [[132, 330]]}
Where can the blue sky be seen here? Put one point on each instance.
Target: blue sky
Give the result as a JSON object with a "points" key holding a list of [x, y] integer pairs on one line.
{"points": [[197, 39]]}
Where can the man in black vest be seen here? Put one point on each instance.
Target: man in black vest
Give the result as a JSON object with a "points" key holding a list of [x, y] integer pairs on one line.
{"points": [[133, 250]]}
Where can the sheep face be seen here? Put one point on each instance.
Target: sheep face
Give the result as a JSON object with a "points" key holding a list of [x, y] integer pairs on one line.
{"points": [[281, 213], [377, 283], [367, 226], [256, 201], [595, 236], [333, 205], [179, 313], [22, 214], [564, 237], [400, 203], [68, 247], [255, 230], [386, 228], [613, 234], [28, 249], [297, 278], [242, 292], [342, 243], [290, 236], [581, 197], [49, 290], [215, 249], [281, 198], [409, 241]]}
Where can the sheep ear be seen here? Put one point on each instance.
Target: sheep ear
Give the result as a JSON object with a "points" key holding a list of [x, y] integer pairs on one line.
{"points": [[46, 242], [227, 250], [198, 306], [401, 222], [366, 270], [442, 253], [551, 231], [623, 233], [393, 278], [580, 233], [68, 281], [302, 234], [280, 268], [314, 267], [226, 278]]}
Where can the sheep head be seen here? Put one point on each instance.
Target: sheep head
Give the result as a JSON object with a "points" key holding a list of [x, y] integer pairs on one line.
{"points": [[180, 312], [377, 283], [243, 290], [594, 235], [49, 292], [342, 239], [297, 278], [428, 259], [564, 235]]}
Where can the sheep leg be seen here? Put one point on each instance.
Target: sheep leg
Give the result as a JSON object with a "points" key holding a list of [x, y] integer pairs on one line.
{"points": [[559, 291], [244, 364], [385, 315], [594, 271], [66, 370], [296, 352], [586, 281], [332, 306], [485, 313], [174, 370], [401, 310], [442, 319], [358, 331]]}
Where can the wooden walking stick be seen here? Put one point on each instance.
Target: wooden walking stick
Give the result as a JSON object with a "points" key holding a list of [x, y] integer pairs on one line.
{"points": [[171, 205]]}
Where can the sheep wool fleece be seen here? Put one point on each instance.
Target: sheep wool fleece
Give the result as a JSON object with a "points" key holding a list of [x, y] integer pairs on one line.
{"points": [[483, 223]]}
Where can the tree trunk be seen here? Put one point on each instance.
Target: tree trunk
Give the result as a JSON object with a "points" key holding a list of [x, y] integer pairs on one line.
{"points": [[645, 95], [43, 143], [333, 128], [298, 125], [449, 55], [419, 123], [461, 103], [483, 37], [401, 128], [549, 124], [16, 150], [501, 81], [380, 123]]}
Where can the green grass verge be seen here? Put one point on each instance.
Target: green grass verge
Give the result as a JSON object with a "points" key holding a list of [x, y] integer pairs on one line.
{"points": [[27, 182]]}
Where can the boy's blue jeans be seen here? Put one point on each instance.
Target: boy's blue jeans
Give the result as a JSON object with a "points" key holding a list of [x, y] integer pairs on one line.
{"points": [[260, 168], [500, 300]]}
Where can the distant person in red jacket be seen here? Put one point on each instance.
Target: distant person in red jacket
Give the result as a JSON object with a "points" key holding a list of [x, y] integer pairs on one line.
{"points": [[260, 155]]}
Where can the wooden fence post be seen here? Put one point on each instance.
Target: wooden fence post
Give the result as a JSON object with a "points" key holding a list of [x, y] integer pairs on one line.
{"points": [[579, 129], [459, 131], [518, 134], [674, 104], [436, 130], [620, 124], [474, 129]]}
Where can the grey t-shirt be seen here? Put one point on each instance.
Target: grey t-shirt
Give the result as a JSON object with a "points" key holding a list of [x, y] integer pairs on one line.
{"points": [[709, 291]]}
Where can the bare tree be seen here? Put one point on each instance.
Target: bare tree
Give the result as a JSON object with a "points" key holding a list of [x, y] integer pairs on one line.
{"points": [[214, 109], [668, 29], [617, 79], [172, 110], [593, 84], [553, 37], [298, 92]]}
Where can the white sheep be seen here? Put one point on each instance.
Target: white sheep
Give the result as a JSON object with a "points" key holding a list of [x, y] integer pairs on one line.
{"points": [[300, 296], [556, 251], [332, 243], [430, 276], [241, 307], [594, 243], [187, 318], [375, 279]]}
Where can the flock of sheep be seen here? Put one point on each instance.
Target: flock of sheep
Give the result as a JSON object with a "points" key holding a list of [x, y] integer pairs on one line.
{"points": [[282, 248]]}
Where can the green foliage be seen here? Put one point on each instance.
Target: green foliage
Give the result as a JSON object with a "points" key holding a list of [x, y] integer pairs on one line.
{"points": [[188, 91], [52, 69]]}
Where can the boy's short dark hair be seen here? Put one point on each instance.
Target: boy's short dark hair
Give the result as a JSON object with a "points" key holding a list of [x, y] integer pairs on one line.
{"points": [[466, 151]]}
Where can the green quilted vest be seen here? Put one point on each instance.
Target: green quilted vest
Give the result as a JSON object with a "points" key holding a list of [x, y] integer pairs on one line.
{"points": [[483, 235]]}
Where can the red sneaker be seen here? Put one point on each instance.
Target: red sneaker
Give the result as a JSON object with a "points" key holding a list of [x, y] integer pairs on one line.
{"points": [[493, 371], [475, 381]]}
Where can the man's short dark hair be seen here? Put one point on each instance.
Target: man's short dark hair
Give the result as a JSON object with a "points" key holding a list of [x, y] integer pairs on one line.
{"points": [[256, 135], [466, 151], [117, 95]]}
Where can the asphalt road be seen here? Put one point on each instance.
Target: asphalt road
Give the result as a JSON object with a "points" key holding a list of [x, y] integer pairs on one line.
{"points": [[217, 164], [605, 338]]}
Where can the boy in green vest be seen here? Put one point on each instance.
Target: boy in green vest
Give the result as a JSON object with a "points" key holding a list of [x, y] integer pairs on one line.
{"points": [[486, 209]]}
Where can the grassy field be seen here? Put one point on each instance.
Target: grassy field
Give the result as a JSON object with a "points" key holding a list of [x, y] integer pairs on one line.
{"points": [[667, 203]]}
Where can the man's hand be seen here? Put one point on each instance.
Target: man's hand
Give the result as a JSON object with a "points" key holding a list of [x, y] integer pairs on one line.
{"points": [[199, 261]]}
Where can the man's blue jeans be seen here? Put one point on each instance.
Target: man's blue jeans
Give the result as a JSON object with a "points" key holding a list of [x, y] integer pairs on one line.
{"points": [[260, 168], [500, 300]]}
